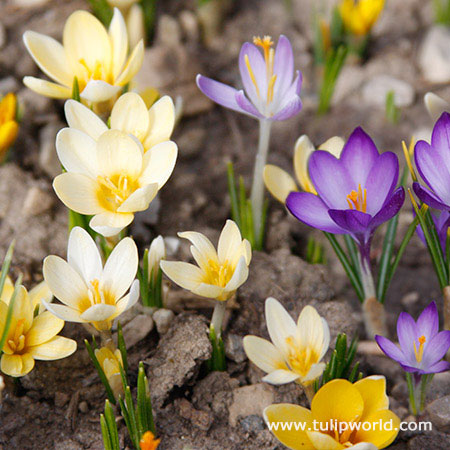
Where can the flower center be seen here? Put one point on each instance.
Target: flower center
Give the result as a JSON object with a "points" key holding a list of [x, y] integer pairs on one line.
{"points": [[17, 343], [358, 199], [218, 274], [300, 359], [97, 72], [115, 190], [419, 353]]}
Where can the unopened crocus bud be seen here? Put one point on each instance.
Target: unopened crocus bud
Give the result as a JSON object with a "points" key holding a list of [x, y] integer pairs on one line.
{"points": [[135, 24], [8, 124], [156, 253], [110, 363]]}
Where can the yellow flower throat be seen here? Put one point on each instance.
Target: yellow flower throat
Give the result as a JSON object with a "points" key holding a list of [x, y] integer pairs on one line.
{"points": [[358, 199], [300, 359], [17, 343], [97, 72], [218, 274], [419, 353], [115, 190]]}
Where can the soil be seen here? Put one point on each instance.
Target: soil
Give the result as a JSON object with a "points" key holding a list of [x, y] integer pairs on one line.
{"points": [[58, 405]]}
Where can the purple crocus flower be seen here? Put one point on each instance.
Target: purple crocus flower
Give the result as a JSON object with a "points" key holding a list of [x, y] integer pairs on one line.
{"points": [[356, 193], [441, 222], [270, 90], [422, 346], [433, 164]]}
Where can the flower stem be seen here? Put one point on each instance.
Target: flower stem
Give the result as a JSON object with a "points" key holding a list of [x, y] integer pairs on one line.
{"points": [[217, 360], [217, 317], [257, 194], [373, 311], [412, 394]]}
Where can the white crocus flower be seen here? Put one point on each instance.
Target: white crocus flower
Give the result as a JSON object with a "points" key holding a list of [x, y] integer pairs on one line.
{"points": [[296, 350], [219, 273], [91, 293], [112, 178], [96, 56], [435, 105], [130, 115], [156, 253], [280, 183]]}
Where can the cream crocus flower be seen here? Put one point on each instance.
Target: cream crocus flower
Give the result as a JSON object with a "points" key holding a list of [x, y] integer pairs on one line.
{"points": [[91, 293], [110, 178], [110, 362], [280, 183], [219, 273], [296, 350], [435, 105], [130, 115], [30, 337], [97, 57], [156, 253]]}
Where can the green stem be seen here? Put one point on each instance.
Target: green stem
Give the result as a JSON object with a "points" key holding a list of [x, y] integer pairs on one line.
{"points": [[412, 396]]}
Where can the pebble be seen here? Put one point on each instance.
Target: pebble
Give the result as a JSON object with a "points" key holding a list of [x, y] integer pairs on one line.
{"points": [[234, 349], [163, 318], [434, 55], [375, 90], [36, 202], [83, 407], [410, 299], [252, 423], [61, 399], [169, 32], [439, 412], [137, 329]]}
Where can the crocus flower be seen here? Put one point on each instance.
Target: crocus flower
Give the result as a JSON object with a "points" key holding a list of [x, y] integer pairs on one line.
{"points": [[432, 162], [148, 441], [335, 420], [156, 253], [356, 193], [270, 90], [219, 273], [110, 178], [280, 183], [97, 57], [422, 346], [130, 115], [9, 127], [296, 348], [30, 337], [91, 293], [359, 16], [134, 17], [110, 362]]}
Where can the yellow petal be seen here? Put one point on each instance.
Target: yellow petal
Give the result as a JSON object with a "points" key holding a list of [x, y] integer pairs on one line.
{"points": [[56, 348], [310, 330], [135, 25], [8, 105], [373, 393], [8, 289], [40, 292], [379, 436], [239, 277], [97, 91], [133, 66], [17, 365], [84, 119], [3, 313], [322, 441], [8, 134], [337, 400], [205, 250], [47, 88], [161, 122], [302, 151], [22, 310], [334, 145], [209, 291], [284, 412], [139, 199], [278, 182], [45, 327]]}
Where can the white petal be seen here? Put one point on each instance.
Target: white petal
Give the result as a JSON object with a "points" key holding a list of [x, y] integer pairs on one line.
{"points": [[47, 88], [279, 324], [128, 300], [120, 268], [435, 105], [334, 145], [263, 354], [130, 115], [119, 42], [184, 274], [84, 119], [159, 163], [314, 372], [278, 182], [64, 312], [310, 329], [78, 192], [139, 199], [135, 24], [206, 250], [281, 376], [64, 281], [99, 91], [326, 338], [49, 55], [239, 277], [76, 151], [98, 313], [133, 66], [162, 121], [83, 255], [108, 224], [364, 446], [208, 290], [230, 244]]}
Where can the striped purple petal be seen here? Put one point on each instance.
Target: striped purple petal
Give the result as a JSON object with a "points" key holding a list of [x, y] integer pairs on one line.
{"points": [[428, 197], [428, 321]]}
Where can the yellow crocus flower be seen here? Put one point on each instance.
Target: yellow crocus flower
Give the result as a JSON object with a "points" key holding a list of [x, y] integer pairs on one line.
{"points": [[8, 124], [110, 362], [30, 337], [339, 417], [279, 183], [96, 56], [359, 16]]}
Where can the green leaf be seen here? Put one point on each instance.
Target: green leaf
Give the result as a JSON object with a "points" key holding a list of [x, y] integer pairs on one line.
{"points": [[392, 111], [112, 426], [105, 433], [102, 11], [144, 405], [149, 8], [76, 90]]}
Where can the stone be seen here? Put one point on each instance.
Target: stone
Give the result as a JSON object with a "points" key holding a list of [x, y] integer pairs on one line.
{"points": [[439, 386], [439, 412], [430, 441], [2, 36], [48, 159], [252, 423], [375, 90], [163, 318], [410, 299], [434, 55], [250, 400], [348, 83], [200, 419], [61, 399], [137, 329], [83, 407], [172, 245], [178, 357], [34, 104], [29, 3], [36, 202], [234, 349]]}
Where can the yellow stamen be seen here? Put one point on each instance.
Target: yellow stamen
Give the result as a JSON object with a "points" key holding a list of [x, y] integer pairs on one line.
{"points": [[300, 359], [409, 153], [270, 88], [115, 190], [419, 353], [265, 43], [96, 296], [218, 274], [358, 200], [252, 75]]}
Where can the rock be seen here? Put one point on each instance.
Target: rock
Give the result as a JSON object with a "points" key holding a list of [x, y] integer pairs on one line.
{"points": [[439, 412], [67, 444], [137, 329], [434, 55], [348, 83], [191, 142], [2, 35], [61, 399], [163, 318], [410, 299], [179, 355], [375, 90], [439, 386], [234, 349], [200, 419], [8, 84], [250, 400], [430, 441], [36, 202], [252, 423], [83, 407], [48, 159]]}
